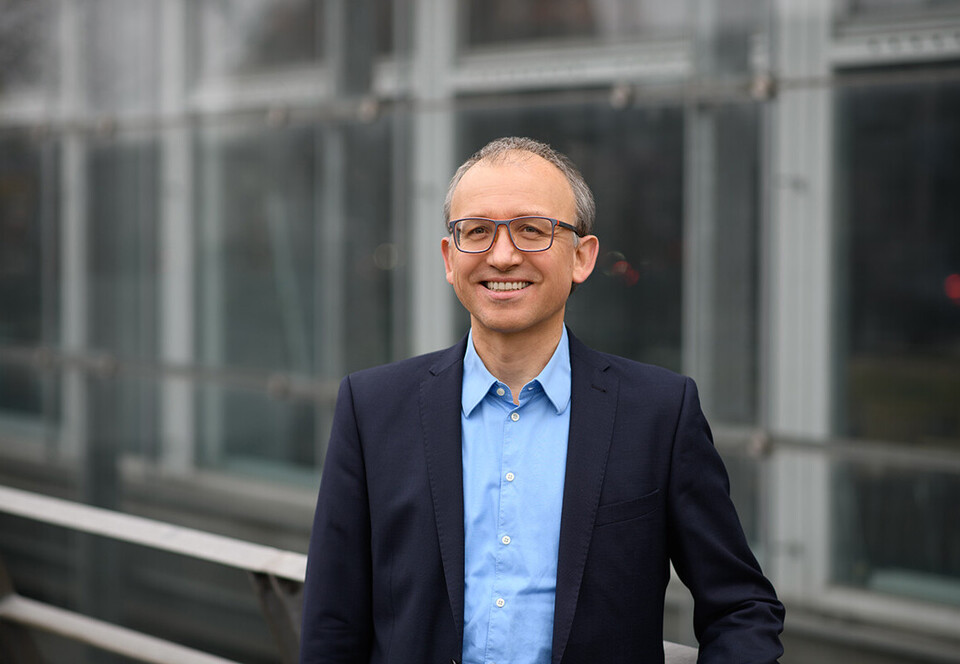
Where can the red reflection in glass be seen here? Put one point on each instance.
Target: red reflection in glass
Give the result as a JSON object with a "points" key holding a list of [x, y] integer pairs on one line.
{"points": [[951, 286], [625, 271]]}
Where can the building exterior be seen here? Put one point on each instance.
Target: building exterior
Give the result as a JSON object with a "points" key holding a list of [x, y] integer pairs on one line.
{"points": [[211, 211]]}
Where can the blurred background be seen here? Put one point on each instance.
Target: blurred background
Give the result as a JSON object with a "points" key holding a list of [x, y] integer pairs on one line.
{"points": [[211, 210]]}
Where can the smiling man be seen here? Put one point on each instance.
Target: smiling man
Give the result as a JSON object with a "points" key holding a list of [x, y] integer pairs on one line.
{"points": [[518, 498]]}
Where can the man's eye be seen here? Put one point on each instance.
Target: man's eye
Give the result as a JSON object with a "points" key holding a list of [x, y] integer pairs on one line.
{"points": [[477, 230], [532, 230]]}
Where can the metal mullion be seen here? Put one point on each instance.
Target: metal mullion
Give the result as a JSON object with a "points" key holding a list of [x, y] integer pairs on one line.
{"points": [[176, 305]]}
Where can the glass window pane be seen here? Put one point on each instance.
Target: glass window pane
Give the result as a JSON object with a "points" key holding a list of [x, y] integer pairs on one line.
{"points": [[900, 195], [895, 531], [246, 36], [899, 326], [28, 251], [21, 278], [123, 181], [723, 154], [122, 46], [499, 21], [298, 264], [256, 247], [122, 253], [26, 46]]}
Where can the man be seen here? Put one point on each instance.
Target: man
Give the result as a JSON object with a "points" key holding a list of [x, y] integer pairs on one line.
{"points": [[518, 498]]}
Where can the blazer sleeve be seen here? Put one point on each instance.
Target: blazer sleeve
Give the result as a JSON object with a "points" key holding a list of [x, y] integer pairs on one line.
{"points": [[337, 622], [737, 616]]}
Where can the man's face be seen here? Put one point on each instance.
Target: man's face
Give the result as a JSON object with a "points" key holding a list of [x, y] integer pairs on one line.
{"points": [[505, 290]]}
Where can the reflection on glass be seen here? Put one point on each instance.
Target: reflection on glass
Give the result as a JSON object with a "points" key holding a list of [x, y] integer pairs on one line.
{"points": [[20, 242], [899, 378], [256, 248], [631, 305], [255, 308], [498, 21], [245, 36], [24, 258], [257, 434], [895, 531], [123, 248], [25, 41], [900, 188], [122, 54], [297, 262], [123, 253]]}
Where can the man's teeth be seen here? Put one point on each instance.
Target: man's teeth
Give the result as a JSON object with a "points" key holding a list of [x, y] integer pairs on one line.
{"points": [[506, 285]]}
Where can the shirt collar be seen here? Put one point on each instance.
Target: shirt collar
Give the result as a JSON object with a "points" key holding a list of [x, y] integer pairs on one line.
{"points": [[554, 378]]}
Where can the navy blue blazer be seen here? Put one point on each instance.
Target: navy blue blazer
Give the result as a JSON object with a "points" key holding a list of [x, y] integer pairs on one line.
{"points": [[644, 486]]}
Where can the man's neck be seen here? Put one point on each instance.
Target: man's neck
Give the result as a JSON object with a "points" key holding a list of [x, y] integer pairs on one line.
{"points": [[516, 359]]}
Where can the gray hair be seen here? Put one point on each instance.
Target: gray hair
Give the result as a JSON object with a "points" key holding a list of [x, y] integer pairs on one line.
{"points": [[498, 151]]}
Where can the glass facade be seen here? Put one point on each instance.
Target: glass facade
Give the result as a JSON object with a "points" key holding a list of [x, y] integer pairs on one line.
{"points": [[902, 240], [210, 212], [900, 377], [231, 38], [506, 21]]}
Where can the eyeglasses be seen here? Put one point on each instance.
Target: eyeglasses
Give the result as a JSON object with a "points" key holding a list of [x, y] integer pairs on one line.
{"points": [[475, 235]]}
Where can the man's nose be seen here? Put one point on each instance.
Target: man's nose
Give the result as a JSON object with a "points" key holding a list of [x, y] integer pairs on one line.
{"points": [[503, 253]]}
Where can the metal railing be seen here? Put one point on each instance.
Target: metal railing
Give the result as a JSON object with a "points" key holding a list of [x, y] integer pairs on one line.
{"points": [[277, 578]]}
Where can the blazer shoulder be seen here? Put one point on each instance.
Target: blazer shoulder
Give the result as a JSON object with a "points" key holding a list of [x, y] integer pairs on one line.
{"points": [[631, 373], [406, 374]]}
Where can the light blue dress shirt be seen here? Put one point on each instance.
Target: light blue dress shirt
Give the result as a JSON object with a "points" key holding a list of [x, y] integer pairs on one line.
{"points": [[514, 459]]}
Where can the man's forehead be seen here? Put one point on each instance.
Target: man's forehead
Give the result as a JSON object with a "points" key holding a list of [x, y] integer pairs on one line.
{"points": [[512, 158], [520, 159], [514, 183]]}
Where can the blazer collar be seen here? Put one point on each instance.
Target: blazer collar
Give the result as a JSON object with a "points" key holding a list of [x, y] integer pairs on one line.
{"points": [[440, 420], [592, 414]]}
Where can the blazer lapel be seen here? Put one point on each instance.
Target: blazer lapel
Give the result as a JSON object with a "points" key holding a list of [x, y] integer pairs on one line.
{"points": [[593, 408], [440, 418]]}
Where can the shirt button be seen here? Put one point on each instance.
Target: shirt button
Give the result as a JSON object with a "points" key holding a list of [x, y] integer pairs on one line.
{"points": [[500, 602], [505, 539], [510, 477], [500, 392], [514, 416]]}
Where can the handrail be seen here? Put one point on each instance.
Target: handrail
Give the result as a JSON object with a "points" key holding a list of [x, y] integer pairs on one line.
{"points": [[154, 534], [119, 640], [277, 578]]}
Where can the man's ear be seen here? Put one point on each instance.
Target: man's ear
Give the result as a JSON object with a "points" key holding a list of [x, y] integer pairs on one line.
{"points": [[446, 250], [585, 258]]}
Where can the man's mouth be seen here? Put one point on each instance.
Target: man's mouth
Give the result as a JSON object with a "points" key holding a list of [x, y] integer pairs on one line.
{"points": [[506, 285]]}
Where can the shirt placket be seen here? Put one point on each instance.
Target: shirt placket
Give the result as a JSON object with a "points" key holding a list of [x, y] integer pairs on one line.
{"points": [[502, 600]]}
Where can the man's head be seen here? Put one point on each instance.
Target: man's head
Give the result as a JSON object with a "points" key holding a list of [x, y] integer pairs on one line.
{"points": [[508, 291], [501, 149]]}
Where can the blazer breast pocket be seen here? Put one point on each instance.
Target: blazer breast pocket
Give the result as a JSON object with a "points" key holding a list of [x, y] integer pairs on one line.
{"points": [[628, 509]]}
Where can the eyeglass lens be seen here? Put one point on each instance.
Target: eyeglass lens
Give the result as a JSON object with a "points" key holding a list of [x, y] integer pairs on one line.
{"points": [[527, 233]]}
